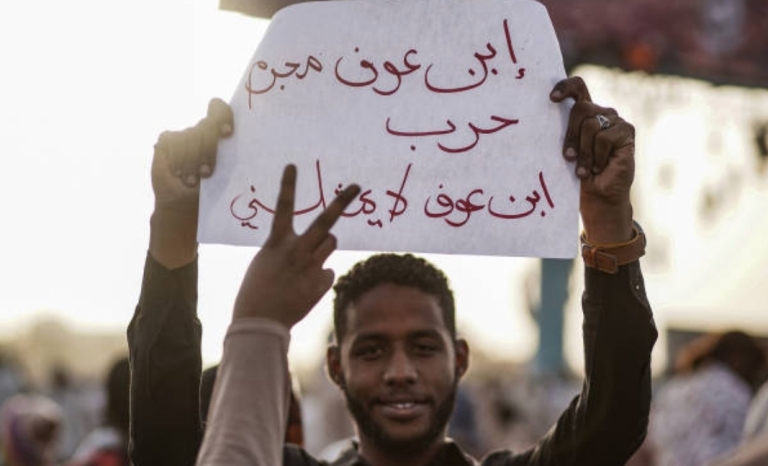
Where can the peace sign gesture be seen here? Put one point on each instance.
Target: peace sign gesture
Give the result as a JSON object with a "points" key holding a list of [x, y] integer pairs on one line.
{"points": [[286, 278]]}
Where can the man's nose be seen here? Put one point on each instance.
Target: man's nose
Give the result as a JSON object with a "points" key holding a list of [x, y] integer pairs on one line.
{"points": [[400, 369]]}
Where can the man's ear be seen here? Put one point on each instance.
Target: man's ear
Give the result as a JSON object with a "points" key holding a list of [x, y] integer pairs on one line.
{"points": [[462, 357], [333, 363]]}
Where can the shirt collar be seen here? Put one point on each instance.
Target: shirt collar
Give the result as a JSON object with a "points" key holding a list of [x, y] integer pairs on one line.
{"points": [[449, 455]]}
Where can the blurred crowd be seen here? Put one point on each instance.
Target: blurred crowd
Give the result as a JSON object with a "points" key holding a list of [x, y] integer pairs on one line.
{"points": [[722, 40], [69, 420], [712, 403]]}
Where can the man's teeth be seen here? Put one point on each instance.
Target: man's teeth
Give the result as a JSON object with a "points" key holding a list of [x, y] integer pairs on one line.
{"points": [[402, 405]]}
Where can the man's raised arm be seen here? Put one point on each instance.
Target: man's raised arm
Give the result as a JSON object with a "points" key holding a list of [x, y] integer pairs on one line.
{"points": [[607, 422], [283, 282], [164, 334]]}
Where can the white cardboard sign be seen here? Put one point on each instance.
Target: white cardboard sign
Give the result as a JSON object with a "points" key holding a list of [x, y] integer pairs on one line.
{"points": [[438, 109]]}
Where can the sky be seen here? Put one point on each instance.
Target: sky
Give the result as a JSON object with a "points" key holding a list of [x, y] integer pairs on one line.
{"points": [[87, 86]]}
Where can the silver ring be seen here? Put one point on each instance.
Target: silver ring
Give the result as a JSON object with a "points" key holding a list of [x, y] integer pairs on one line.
{"points": [[603, 120]]}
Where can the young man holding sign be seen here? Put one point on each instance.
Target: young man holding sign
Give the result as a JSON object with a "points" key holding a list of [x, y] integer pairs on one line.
{"points": [[396, 358]]}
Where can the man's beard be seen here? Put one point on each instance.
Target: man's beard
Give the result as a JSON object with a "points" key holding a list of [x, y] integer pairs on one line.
{"points": [[370, 429]]}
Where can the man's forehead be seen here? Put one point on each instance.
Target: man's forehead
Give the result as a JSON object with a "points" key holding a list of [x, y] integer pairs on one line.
{"points": [[414, 334], [395, 306]]}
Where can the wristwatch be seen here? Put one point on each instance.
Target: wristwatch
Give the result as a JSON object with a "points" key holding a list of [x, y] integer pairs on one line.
{"points": [[608, 257]]}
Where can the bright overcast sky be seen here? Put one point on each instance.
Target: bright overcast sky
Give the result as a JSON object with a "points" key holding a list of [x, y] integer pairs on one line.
{"points": [[86, 88]]}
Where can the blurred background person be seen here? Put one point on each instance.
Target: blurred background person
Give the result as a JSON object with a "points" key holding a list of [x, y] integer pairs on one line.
{"points": [[756, 424], [752, 452], [80, 403], [698, 415], [30, 426], [11, 378], [754, 448], [107, 445]]}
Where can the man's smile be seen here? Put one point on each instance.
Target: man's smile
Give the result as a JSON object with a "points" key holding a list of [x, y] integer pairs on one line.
{"points": [[402, 409]]}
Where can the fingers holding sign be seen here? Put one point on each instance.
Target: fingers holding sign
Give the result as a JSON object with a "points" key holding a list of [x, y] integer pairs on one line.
{"points": [[598, 140], [183, 157], [286, 278], [603, 146]]}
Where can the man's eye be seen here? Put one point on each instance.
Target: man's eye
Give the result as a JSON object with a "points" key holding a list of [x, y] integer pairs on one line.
{"points": [[425, 349], [369, 352]]}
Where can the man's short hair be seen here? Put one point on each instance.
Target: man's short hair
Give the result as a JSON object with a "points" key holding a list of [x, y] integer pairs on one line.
{"points": [[398, 269]]}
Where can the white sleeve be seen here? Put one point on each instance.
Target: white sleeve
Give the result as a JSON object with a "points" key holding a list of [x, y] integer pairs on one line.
{"points": [[250, 401]]}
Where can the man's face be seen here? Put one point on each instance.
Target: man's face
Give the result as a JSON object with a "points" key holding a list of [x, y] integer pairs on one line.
{"points": [[398, 366]]}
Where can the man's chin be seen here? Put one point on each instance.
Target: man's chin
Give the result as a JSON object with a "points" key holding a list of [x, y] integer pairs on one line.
{"points": [[405, 441], [405, 434]]}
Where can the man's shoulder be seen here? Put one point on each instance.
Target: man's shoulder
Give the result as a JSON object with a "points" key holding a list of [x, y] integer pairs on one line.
{"points": [[294, 455], [450, 455], [506, 458]]}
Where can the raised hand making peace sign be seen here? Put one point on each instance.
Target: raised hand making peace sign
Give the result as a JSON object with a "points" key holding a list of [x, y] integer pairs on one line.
{"points": [[286, 278]]}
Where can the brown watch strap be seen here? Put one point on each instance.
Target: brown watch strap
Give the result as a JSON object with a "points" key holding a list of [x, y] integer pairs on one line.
{"points": [[608, 259]]}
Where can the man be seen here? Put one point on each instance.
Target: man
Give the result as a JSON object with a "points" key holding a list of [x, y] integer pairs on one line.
{"points": [[397, 357]]}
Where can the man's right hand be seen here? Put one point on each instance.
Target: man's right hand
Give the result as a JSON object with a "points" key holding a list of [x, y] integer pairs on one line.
{"points": [[286, 278], [181, 159]]}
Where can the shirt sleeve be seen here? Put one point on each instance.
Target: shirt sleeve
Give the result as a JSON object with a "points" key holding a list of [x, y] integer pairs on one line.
{"points": [[249, 408], [607, 422], [164, 346]]}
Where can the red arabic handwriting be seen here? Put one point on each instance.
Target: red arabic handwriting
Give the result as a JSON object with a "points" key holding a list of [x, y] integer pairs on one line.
{"points": [[455, 211], [481, 58], [291, 69], [388, 67], [508, 37], [254, 204], [511, 50], [504, 122], [398, 209], [245, 208], [473, 202], [262, 78]]}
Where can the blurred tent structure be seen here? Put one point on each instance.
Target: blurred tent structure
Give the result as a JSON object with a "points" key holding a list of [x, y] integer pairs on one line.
{"points": [[257, 8]]}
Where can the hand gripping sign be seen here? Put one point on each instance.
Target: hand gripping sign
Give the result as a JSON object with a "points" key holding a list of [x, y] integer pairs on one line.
{"points": [[438, 109]]}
